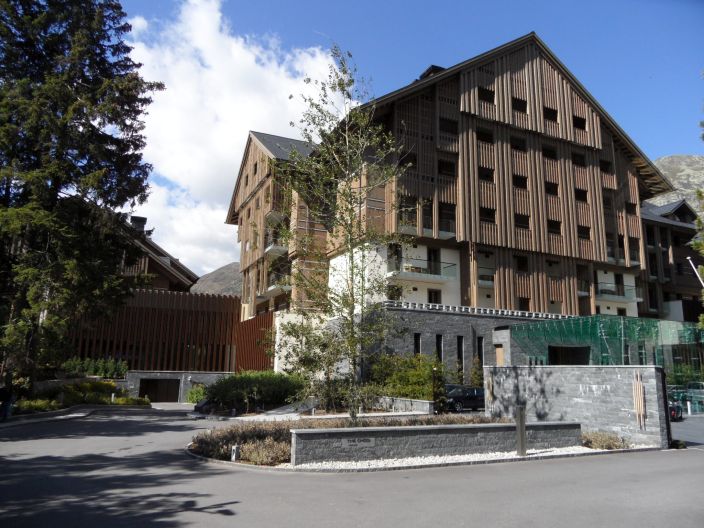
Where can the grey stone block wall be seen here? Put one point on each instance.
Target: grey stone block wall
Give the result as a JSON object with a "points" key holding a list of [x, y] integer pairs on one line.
{"points": [[429, 323], [187, 379], [599, 397], [374, 443], [405, 405]]}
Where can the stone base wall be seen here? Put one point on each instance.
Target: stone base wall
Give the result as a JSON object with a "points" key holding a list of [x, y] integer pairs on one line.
{"points": [[601, 398], [405, 405], [187, 379], [373, 443]]}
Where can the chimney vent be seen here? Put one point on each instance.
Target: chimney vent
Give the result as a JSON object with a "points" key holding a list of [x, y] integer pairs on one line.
{"points": [[138, 223]]}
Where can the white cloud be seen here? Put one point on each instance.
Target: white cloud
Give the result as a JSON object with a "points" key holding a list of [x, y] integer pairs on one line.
{"points": [[219, 85], [139, 25]]}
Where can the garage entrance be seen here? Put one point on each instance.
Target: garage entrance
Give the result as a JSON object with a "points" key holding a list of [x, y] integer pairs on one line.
{"points": [[159, 390], [568, 355]]}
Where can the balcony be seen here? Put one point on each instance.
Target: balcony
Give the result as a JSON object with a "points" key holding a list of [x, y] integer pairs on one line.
{"points": [[421, 270], [277, 283], [584, 287], [619, 293], [485, 277], [274, 246]]}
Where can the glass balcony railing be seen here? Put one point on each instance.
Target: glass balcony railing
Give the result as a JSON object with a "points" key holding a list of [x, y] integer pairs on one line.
{"points": [[630, 293], [447, 225], [424, 267], [485, 276]]}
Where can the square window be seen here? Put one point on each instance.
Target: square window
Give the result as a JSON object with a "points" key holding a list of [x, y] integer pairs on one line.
{"points": [[579, 159], [435, 296], [446, 168], [448, 126], [485, 135], [549, 152], [550, 114], [551, 188], [520, 182], [631, 208], [579, 123], [583, 233], [522, 221], [487, 215], [554, 227], [521, 263], [518, 143], [524, 304], [605, 166], [580, 195], [486, 174], [486, 95], [519, 105]]}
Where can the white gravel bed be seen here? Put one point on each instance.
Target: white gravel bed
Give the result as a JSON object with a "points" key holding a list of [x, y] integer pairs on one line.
{"points": [[441, 460]]}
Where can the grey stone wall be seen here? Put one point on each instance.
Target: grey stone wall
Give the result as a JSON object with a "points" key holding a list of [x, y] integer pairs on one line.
{"points": [[599, 397], [372, 443], [405, 405], [429, 323], [187, 379]]}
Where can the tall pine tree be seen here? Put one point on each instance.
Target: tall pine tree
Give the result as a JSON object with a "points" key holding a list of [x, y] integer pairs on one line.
{"points": [[71, 135]]}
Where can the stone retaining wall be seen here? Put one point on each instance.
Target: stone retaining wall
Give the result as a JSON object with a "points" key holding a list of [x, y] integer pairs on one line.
{"points": [[601, 398], [405, 405], [373, 443]]}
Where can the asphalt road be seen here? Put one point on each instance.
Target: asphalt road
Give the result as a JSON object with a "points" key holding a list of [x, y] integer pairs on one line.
{"points": [[130, 470]]}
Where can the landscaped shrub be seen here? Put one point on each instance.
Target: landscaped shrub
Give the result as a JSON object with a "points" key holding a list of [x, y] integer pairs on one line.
{"points": [[265, 440], [246, 391], [601, 440], [76, 367], [196, 393], [32, 406], [418, 377]]}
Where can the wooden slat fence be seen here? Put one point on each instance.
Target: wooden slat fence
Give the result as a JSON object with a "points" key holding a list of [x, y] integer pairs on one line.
{"points": [[164, 330]]}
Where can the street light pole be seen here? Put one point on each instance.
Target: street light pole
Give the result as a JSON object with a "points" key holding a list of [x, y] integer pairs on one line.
{"points": [[696, 271]]}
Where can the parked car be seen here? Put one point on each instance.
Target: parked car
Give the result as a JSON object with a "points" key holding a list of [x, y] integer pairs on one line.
{"points": [[677, 393], [460, 397]]}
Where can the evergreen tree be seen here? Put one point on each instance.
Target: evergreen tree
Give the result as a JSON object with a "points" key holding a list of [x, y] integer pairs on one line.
{"points": [[71, 101]]}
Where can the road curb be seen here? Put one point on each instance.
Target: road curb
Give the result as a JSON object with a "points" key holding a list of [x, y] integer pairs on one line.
{"points": [[274, 469], [70, 413]]}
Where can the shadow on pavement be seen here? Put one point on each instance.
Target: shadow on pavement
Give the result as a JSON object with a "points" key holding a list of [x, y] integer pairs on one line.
{"points": [[104, 491]]}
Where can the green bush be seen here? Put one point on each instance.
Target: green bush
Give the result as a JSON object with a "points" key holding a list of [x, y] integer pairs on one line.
{"points": [[246, 391], [196, 393], [270, 442], [409, 376], [37, 405], [601, 440], [76, 367]]}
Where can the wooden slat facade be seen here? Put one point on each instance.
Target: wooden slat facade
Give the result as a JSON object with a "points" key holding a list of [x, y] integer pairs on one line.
{"points": [[176, 331]]}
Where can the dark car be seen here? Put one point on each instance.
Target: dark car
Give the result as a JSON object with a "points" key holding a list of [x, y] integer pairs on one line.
{"points": [[460, 397], [675, 411]]}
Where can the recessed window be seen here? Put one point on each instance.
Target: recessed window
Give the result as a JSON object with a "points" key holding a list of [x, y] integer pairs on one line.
{"points": [[579, 159], [554, 227], [246, 179], [579, 123], [416, 344], [551, 188], [446, 168], [520, 263], [550, 114], [448, 126], [583, 232], [256, 166], [485, 135], [524, 304], [518, 143], [631, 208], [435, 296], [486, 94], [486, 174], [520, 182], [549, 153], [487, 215], [519, 105], [580, 195], [521, 221], [605, 166]]}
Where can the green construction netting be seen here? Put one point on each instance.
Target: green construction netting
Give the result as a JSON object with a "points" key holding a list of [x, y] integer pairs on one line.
{"points": [[613, 340]]}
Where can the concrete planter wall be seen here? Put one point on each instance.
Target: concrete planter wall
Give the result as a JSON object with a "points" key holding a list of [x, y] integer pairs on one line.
{"points": [[405, 405], [601, 398], [373, 443]]}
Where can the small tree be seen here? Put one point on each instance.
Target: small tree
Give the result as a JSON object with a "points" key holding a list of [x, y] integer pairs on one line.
{"points": [[337, 195], [476, 375]]}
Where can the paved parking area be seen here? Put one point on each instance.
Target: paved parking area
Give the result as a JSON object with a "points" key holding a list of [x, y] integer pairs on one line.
{"points": [[690, 430], [129, 470]]}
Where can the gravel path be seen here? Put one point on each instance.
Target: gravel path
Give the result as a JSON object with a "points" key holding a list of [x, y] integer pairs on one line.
{"points": [[440, 460]]}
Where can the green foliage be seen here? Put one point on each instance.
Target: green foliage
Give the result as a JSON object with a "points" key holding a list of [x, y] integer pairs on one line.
{"points": [[682, 374], [601, 440], [71, 100], [246, 391], [270, 442], [76, 367], [91, 392], [38, 405], [196, 393], [476, 375], [418, 377]]}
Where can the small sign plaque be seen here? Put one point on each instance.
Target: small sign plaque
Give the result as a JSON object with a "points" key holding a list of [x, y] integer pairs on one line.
{"points": [[357, 442]]}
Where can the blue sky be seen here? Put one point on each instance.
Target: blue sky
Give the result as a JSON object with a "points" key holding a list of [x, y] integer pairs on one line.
{"points": [[642, 60], [229, 67]]}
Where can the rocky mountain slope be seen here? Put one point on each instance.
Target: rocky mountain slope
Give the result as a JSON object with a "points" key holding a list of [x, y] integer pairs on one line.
{"points": [[687, 175], [224, 281]]}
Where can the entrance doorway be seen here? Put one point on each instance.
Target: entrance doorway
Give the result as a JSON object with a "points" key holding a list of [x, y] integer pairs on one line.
{"points": [[160, 390], [568, 355]]}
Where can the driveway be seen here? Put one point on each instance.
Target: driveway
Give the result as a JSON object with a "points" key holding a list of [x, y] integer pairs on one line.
{"points": [[129, 469]]}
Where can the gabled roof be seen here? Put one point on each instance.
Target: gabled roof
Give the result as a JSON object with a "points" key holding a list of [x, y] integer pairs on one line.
{"points": [[276, 147], [170, 265], [655, 182], [662, 213], [279, 147], [670, 208]]}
